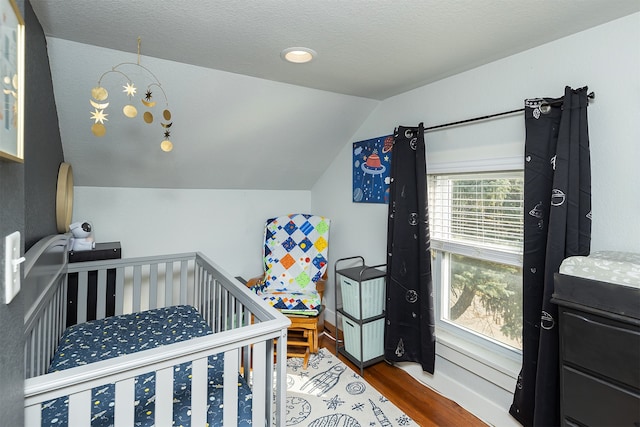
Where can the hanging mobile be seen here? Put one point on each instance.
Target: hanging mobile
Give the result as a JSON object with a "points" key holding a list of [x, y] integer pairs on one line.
{"points": [[99, 94]]}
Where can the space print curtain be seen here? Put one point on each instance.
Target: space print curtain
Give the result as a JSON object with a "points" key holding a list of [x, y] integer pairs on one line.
{"points": [[409, 329], [557, 224]]}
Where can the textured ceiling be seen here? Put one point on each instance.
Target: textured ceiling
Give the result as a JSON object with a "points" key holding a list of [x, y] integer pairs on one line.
{"points": [[243, 118], [368, 48]]}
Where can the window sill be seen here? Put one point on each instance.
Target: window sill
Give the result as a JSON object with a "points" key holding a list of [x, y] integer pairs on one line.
{"points": [[492, 366]]}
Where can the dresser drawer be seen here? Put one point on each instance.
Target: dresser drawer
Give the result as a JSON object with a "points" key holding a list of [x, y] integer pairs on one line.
{"points": [[593, 402], [607, 347]]}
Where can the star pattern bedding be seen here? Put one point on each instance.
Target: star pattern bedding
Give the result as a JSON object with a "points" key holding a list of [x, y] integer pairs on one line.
{"points": [[119, 335]]}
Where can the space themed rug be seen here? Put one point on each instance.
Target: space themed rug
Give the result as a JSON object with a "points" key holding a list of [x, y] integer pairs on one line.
{"points": [[330, 394]]}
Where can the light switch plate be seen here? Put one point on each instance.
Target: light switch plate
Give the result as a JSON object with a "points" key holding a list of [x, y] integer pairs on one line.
{"points": [[12, 262]]}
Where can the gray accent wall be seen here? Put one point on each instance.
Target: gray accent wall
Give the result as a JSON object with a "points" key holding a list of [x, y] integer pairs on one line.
{"points": [[27, 204], [43, 147]]}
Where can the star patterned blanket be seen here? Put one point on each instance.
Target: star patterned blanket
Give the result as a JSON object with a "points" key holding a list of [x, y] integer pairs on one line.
{"points": [[119, 335]]}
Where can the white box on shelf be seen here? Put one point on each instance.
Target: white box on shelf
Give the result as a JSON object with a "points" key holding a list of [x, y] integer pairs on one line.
{"points": [[372, 339], [373, 291]]}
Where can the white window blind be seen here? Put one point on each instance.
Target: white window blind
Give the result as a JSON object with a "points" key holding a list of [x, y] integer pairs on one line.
{"points": [[480, 210]]}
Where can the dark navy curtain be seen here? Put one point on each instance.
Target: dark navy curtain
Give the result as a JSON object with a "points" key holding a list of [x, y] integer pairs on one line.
{"points": [[410, 329], [557, 224]]}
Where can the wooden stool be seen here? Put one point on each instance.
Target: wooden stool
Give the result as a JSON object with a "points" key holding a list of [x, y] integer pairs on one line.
{"points": [[302, 336]]}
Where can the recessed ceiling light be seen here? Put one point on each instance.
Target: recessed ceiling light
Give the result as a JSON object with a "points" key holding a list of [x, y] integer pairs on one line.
{"points": [[298, 55]]}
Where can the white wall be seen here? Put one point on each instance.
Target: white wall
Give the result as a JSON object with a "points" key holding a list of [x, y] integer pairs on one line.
{"points": [[606, 58], [229, 131], [225, 225]]}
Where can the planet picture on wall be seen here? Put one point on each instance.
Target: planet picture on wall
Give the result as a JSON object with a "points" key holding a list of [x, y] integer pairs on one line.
{"points": [[388, 144], [373, 170], [358, 195], [371, 167]]}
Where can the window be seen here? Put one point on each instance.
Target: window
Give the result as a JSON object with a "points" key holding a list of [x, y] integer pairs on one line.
{"points": [[476, 226]]}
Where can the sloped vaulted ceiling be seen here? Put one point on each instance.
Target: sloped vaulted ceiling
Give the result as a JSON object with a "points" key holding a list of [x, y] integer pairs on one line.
{"points": [[242, 118], [229, 130]]}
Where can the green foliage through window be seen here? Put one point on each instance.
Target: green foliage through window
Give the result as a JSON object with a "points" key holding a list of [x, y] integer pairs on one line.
{"points": [[498, 289], [476, 222]]}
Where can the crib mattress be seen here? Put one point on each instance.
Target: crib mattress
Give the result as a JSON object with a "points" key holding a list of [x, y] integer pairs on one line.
{"points": [[119, 335]]}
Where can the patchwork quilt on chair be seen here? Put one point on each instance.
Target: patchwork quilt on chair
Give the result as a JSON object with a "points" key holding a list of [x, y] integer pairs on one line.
{"points": [[295, 255]]}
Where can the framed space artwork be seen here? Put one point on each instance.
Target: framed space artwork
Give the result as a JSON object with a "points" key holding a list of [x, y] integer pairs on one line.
{"points": [[12, 70], [371, 169]]}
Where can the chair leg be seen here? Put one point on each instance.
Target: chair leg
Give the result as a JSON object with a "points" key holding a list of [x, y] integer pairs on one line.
{"points": [[305, 360], [303, 334], [313, 342]]}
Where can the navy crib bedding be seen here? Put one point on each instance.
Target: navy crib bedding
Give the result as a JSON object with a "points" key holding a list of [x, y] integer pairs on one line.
{"points": [[119, 335]]}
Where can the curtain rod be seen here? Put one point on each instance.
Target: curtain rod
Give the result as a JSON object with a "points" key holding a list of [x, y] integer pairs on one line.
{"points": [[591, 95]]}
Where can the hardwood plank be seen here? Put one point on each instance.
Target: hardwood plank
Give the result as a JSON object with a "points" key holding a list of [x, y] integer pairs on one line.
{"points": [[425, 406]]}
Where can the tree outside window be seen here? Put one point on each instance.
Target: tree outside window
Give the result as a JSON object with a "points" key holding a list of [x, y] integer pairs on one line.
{"points": [[477, 226]]}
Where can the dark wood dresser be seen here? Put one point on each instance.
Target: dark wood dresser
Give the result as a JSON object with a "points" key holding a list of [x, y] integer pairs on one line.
{"points": [[599, 352]]}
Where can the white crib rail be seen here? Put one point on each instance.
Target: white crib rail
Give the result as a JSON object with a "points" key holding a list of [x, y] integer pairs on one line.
{"points": [[78, 382], [245, 329]]}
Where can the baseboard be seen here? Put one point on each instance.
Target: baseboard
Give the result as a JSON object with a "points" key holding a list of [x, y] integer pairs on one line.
{"points": [[479, 396], [330, 332]]}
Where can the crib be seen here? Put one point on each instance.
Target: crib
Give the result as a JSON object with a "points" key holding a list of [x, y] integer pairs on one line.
{"points": [[244, 333]]}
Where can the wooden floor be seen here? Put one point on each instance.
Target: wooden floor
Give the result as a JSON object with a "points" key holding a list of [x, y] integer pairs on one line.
{"points": [[423, 405]]}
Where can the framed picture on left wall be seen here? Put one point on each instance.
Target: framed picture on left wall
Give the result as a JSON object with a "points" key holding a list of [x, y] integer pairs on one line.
{"points": [[12, 39]]}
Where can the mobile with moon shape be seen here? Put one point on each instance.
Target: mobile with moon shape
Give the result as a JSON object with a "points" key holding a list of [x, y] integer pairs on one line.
{"points": [[371, 169], [99, 102]]}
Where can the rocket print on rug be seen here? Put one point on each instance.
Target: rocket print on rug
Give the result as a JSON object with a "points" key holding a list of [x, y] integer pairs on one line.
{"points": [[328, 393], [325, 381]]}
